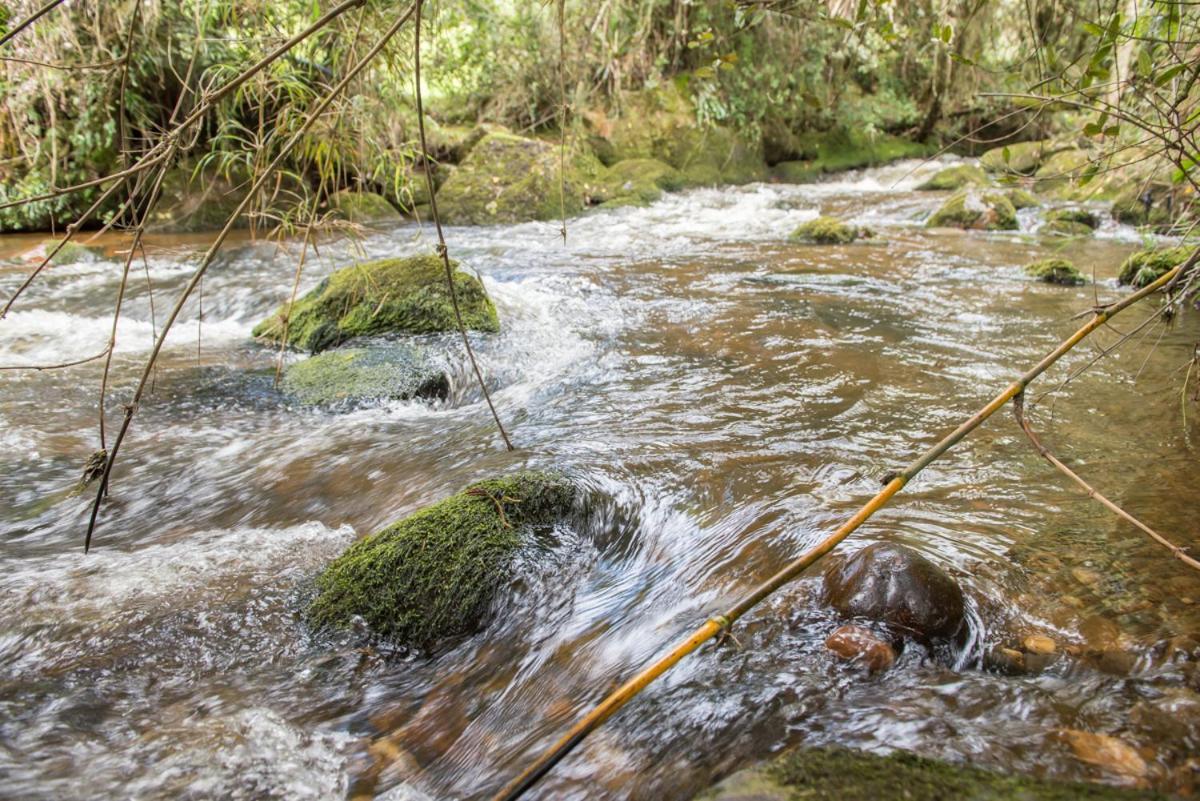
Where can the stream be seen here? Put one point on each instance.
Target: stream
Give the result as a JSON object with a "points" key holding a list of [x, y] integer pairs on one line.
{"points": [[727, 396]]}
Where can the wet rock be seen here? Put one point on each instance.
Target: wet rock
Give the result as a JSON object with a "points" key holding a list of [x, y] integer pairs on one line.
{"points": [[825, 231], [1147, 203], [1114, 661], [636, 182], [855, 643], [956, 177], [1147, 266], [1116, 757], [1055, 271], [1099, 632], [1062, 170], [1074, 215], [1039, 644], [363, 207], [390, 296], [897, 586], [435, 573], [1022, 198], [347, 377], [840, 774], [1008, 661], [972, 209], [1020, 158], [1064, 228], [510, 179]]}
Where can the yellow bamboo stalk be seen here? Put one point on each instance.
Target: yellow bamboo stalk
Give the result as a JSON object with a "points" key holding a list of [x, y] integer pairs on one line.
{"points": [[721, 623]]}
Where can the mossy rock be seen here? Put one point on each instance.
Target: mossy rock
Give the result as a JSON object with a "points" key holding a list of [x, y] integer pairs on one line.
{"points": [[1064, 228], [1022, 198], [638, 182], [390, 296], [1061, 172], [363, 207], [825, 231], [955, 178], [510, 179], [1055, 271], [71, 253], [795, 172], [988, 211], [1148, 266], [1144, 205], [841, 774], [1079, 216], [435, 574], [660, 123], [348, 377], [1023, 158]]}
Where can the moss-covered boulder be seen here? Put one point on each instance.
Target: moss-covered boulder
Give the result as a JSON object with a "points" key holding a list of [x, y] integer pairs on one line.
{"points": [[1055, 271], [971, 209], [955, 178], [825, 231], [352, 376], [435, 573], [1076, 215], [638, 182], [390, 296], [1022, 198], [1020, 158], [840, 774], [363, 207], [661, 123], [1060, 172], [1148, 266], [71, 253], [510, 179], [1064, 228], [1151, 204]]}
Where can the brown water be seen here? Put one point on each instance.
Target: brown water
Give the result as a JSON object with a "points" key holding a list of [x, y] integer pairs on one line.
{"points": [[733, 397]]}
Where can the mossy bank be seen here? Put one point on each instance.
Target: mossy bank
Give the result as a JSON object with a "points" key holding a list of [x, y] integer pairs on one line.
{"points": [[435, 574]]}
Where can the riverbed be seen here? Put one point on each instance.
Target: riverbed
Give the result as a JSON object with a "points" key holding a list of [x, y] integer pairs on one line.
{"points": [[727, 396]]}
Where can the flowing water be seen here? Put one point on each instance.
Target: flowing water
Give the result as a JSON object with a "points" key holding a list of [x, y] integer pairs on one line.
{"points": [[731, 396]]}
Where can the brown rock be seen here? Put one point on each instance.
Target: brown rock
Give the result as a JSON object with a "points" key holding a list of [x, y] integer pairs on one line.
{"points": [[1085, 576], [1039, 644], [896, 585], [1099, 632], [856, 643], [1115, 756]]}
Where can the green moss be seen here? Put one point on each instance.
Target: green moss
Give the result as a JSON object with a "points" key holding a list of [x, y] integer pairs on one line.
{"points": [[816, 774], [508, 179], [382, 297], [1078, 216], [70, 253], [796, 172], [1055, 271], [1060, 172], [825, 231], [435, 573], [1022, 198], [1024, 158], [990, 211], [1147, 266], [956, 178], [363, 207], [1065, 228], [1130, 206], [638, 181], [348, 376]]}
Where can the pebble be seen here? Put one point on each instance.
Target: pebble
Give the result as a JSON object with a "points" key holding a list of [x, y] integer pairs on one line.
{"points": [[1085, 576], [1039, 644], [1107, 752], [856, 642]]}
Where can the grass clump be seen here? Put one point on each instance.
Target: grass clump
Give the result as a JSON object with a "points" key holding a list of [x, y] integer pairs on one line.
{"points": [[435, 573], [1148, 266], [825, 231], [390, 296], [1055, 271]]}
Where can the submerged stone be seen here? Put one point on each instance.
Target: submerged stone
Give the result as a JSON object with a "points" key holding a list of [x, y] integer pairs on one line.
{"points": [[351, 376], [1055, 271], [857, 644], [1147, 266], [390, 296], [970, 209], [511, 179], [955, 178], [825, 231], [895, 585], [840, 774], [435, 573]]}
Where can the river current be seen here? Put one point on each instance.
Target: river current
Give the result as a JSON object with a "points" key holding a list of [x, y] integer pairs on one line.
{"points": [[730, 395]]}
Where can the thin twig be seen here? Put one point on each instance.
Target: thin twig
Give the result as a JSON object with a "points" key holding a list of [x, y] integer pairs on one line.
{"points": [[1027, 427], [40, 367], [437, 223]]}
